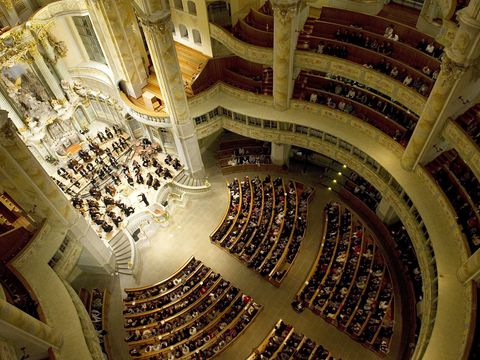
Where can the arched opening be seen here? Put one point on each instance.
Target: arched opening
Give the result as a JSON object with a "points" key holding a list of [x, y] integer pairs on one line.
{"points": [[183, 31], [192, 8], [178, 4], [197, 38]]}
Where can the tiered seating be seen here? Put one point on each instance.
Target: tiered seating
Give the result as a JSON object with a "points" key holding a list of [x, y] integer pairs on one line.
{"points": [[264, 224], [404, 58], [257, 27], [192, 64], [381, 113], [462, 189], [470, 122], [96, 303], [283, 342], [377, 25], [237, 72], [350, 285], [192, 314], [243, 154], [408, 257], [368, 58], [363, 190]]}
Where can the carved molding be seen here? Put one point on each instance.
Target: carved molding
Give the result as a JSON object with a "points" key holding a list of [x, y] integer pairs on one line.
{"points": [[451, 70], [285, 11]]}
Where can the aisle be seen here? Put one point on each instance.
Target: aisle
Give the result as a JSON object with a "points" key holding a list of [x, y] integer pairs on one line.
{"points": [[188, 234]]}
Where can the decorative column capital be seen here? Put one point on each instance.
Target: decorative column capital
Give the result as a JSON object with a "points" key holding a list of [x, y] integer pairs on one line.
{"points": [[285, 11], [159, 24], [451, 70]]}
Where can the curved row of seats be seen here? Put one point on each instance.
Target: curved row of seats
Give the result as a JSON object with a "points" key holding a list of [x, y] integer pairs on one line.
{"points": [[283, 342], [462, 188], [383, 115], [264, 224], [362, 43], [470, 122], [349, 285], [194, 313], [96, 303]]}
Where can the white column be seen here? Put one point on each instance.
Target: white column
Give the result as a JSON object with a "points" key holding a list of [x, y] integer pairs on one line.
{"points": [[280, 154], [44, 71], [459, 56], [158, 34], [53, 57], [284, 43]]}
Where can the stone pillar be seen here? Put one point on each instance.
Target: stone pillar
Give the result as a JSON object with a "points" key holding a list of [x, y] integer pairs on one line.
{"points": [[284, 44], [22, 325], [463, 53], [7, 350], [470, 270], [118, 32], [280, 154], [10, 12], [44, 72], [53, 57], [158, 34]]}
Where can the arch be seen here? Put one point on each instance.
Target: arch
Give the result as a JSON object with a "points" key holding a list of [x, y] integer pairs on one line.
{"points": [[178, 4], [183, 31], [197, 37], [192, 8]]}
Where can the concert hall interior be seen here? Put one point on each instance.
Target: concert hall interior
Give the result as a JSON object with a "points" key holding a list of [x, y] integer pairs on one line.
{"points": [[240, 179]]}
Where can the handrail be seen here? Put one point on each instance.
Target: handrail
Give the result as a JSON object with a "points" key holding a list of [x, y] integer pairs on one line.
{"points": [[143, 115], [240, 48]]}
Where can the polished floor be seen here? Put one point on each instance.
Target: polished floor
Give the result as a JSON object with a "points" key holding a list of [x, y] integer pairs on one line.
{"points": [[188, 234]]}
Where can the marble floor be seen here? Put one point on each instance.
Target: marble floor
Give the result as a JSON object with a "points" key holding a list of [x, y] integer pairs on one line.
{"points": [[188, 234]]}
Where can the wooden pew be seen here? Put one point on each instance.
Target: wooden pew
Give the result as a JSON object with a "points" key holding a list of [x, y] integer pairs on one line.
{"points": [[376, 24]]}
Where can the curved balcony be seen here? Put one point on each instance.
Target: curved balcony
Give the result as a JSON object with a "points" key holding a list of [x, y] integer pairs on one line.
{"points": [[328, 64], [153, 118], [240, 48], [469, 151]]}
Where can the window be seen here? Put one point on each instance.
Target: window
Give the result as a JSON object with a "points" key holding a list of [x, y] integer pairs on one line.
{"points": [[269, 124], [178, 4], [192, 8], [226, 112], [301, 129], [197, 38], [89, 38], [239, 117], [214, 113], [183, 31], [201, 119]]}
